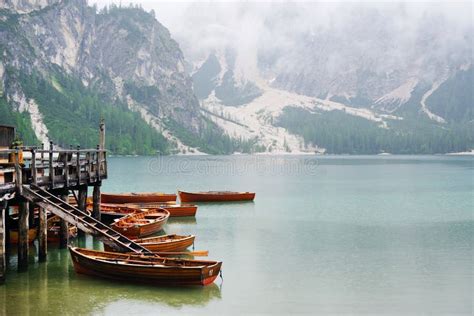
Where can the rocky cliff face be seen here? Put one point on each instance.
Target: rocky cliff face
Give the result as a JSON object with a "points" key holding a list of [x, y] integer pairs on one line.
{"points": [[124, 54]]}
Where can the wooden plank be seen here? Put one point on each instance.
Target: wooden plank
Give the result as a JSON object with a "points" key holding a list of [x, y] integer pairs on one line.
{"points": [[23, 236], [96, 202], [82, 203], [42, 235], [64, 230]]}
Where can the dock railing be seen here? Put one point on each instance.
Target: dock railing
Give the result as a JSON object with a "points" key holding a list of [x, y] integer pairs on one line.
{"points": [[50, 168]]}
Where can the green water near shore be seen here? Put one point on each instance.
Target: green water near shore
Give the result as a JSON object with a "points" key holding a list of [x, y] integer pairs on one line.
{"points": [[357, 235]]}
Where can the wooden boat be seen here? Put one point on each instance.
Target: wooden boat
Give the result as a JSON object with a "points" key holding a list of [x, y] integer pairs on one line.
{"points": [[110, 212], [215, 196], [165, 243], [137, 197], [32, 234], [176, 210], [144, 268], [141, 224]]}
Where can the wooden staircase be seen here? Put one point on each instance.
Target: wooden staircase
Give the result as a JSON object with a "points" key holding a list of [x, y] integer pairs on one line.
{"points": [[81, 219]]}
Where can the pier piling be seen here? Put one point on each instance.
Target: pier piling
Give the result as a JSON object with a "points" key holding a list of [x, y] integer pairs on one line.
{"points": [[82, 203], [96, 202], [23, 227], [42, 235], [64, 229]]}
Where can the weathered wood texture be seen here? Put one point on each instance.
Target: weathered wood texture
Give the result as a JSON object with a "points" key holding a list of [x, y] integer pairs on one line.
{"points": [[42, 235], [52, 169], [80, 219], [23, 246], [96, 202], [82, 203]]}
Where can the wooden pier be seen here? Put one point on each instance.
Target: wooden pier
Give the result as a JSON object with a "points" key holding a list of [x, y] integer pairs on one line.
{"points": [[34, 178]]}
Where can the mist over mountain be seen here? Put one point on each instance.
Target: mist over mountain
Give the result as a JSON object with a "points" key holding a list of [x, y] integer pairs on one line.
{"points": [[221, 77]]}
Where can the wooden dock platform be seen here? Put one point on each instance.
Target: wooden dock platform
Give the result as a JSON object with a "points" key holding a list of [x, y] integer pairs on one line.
{"points": [[37, 178]]}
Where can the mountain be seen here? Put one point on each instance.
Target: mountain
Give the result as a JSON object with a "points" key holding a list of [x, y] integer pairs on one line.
{"points": [[362, 70], [65, 65]]}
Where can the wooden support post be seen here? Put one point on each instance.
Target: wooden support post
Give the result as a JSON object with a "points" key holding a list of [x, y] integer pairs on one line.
{"points": [[64, 231], [97, 164], [66, 169], [3, 232], [51, 169], [82, 203], [101, 166], [23, 236], [96, 201], [42, 235], [31, 216], [78, 165], [34, 172]]}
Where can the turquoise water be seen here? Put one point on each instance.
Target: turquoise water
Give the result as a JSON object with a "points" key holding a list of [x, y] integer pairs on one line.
{"points": [[358, 235]]}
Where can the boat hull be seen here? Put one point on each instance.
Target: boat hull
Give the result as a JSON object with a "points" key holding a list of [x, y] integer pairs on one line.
{"points": [[137, 198], [163, 272], [136, 225], [215, 196], [165, 243], [176, 210]]}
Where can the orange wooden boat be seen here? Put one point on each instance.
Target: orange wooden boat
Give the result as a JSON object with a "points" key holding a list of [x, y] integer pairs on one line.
{"points": [[144, 268], [151, 197], [176, 210], [32, 234], [165, 243], [110, 212], [141, 224], [215, 196]]}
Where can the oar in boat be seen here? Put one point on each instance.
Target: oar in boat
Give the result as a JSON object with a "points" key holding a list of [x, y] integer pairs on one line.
{"points": [[198, 253]]}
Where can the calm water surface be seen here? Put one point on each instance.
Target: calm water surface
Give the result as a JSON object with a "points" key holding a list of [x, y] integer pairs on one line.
{"points": [[358, 235]]}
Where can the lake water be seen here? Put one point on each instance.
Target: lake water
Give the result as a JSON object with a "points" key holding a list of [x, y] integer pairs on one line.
{"points": [[358, 235]]}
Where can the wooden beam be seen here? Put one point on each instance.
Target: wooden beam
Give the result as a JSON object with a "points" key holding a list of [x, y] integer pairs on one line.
{"points": [[51, 169], [82, 203], [23, 246], [42, 235], [64, 229], [31, 216], [3, 232], [96, 202]]}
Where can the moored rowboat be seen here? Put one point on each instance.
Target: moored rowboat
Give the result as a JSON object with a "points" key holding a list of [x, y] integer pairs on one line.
{"points": [[144, 269], [151, 197], [176, 210], [215, 196], [141, 224], [165, 243]]}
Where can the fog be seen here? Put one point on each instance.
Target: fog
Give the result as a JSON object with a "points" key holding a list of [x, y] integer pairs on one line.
{"points": [[274, 38]]}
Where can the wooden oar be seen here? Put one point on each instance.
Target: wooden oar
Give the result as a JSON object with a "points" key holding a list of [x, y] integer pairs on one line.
{"points": [[198, 253]]}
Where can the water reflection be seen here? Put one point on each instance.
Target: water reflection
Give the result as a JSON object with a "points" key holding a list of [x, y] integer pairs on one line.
{"points": [[54, 288]]}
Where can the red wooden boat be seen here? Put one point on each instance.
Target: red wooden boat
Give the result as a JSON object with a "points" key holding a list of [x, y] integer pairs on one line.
{"points": [[141, 224], [151, 197], [215, 196], [144, 268], [110, 212], [165, 243], [176, 210]]}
